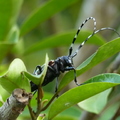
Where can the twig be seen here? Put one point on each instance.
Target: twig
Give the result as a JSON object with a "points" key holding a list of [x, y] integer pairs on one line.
{"points": [[14, 105], [55, 95], [39, 98], [31, 112]]}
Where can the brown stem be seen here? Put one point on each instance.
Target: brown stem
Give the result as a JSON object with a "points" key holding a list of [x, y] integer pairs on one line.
{"points": [[39, 98], [14, 105], [31, 112]]}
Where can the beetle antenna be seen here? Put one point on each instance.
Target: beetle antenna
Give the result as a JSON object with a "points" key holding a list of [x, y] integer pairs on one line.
{"points": [[107, 28], [75, 37]]}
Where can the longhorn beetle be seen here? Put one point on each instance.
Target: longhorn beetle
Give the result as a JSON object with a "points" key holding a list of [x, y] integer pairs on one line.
{"points": [[65, 63]]}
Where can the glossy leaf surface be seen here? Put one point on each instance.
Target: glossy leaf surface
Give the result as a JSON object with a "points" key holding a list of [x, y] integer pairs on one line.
{"points": [[92, 87], [103, 53]]}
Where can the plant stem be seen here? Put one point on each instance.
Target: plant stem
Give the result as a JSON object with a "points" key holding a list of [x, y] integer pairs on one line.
{"points": [[31, 112], [55, 95], [39, 98]]}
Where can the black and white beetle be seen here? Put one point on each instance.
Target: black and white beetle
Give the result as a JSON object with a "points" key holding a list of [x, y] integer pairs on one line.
{"points": [[65, 63]]}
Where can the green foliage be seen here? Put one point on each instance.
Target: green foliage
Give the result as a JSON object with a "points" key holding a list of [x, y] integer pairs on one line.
{"points": [[50, 42], [43, 13], [9, 13], [105, 51], [14, 34], [92, 104], [14, 78], [38, 79], [96, 85]]}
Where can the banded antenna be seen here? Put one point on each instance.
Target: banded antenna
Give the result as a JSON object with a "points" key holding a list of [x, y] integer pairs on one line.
{"points": [[94, 32], [107, 28], [75, 53], [76, 35]]}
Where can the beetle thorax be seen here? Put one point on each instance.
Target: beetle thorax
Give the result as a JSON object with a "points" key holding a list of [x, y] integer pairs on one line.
{"points": [[63, 62]]}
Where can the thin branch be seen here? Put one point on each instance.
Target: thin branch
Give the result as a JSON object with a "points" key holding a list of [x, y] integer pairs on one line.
{"points": [[55, 95], [39, 98], [31, 112], [14, 105]]}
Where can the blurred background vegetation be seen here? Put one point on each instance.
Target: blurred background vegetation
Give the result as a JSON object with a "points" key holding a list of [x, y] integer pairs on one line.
{"points": [[24, 24]]}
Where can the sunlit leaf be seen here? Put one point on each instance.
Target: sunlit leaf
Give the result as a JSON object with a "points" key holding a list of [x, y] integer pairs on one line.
{"points": [[14, 78], [94, 86], [38, 79], [4, 94], [41, 117], [1, 100], [95, 103], [103, 53]]}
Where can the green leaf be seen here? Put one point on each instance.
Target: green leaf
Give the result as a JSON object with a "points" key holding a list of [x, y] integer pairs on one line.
{"points": [[72, 113], [95, 103], [65, 118], [3, 95], [9, 33], [41, 117], [1, 100], [73, 96], [8, 13], [109, 113], [14, 77], [5, 48], [67, 37], [38, 79], [103, 53], [13, 35], [43, 13]]}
